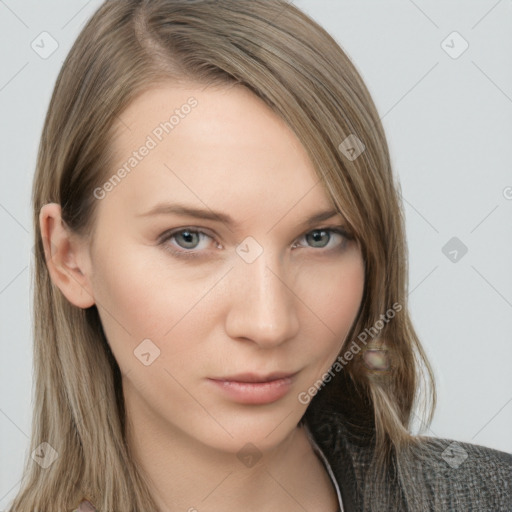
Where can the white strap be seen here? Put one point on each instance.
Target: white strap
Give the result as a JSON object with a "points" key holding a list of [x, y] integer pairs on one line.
{"points": [[319, 452]]}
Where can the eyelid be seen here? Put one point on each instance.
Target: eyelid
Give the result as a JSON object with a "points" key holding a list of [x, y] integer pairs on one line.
{"points": [[171, 232], [337, 230], [167, 235]]}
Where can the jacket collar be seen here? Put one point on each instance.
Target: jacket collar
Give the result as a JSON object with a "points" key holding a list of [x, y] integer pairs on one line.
{"points": [[347, 458]]}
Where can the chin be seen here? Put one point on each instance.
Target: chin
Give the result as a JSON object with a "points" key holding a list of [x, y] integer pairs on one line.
{"points": [[264, 427]]}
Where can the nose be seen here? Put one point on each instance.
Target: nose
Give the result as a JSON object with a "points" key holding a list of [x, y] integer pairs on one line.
{"points": [[262, 304]]}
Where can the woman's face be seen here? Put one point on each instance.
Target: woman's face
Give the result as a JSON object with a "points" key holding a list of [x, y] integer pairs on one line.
{"points": [[228, 281]]}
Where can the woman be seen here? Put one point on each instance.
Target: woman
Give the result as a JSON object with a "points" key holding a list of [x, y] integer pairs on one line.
{"points": [[221, 316]]}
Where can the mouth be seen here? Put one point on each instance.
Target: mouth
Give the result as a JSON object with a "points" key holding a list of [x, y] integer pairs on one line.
{"points": [[255, 389], [255, 378]]}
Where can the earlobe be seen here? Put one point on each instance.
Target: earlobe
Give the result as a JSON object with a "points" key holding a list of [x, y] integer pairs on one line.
{"points": [[65, 257]]}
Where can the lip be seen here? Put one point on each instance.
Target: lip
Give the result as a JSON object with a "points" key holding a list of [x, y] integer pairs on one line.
{"points": [[252, 388], [255, 378]]}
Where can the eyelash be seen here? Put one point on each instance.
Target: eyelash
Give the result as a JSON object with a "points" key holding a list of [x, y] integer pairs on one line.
{"points": [[168, 235]]}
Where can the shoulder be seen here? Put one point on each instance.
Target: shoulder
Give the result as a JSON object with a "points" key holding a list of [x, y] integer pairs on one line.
{"points": [[465, 474], [431, 474]]}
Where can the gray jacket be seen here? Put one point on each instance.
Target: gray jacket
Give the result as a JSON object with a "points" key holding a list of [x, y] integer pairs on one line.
{"points": [[454, 476]]}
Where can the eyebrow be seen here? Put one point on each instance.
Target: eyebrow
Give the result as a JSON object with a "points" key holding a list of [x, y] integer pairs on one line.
{"points": [[188, 211]]}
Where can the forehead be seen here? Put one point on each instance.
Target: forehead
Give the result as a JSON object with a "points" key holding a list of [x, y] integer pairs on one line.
{"points": [[221, 147]]}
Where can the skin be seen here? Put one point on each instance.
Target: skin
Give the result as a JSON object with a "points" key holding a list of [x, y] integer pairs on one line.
{"points": [[216, 314]]}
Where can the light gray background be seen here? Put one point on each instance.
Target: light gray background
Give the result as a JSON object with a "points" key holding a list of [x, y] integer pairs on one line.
{"points": [[449, 124]]}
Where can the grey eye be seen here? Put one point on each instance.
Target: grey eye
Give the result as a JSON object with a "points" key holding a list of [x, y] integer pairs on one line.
{"points": [[319, 236], [190, 238]]}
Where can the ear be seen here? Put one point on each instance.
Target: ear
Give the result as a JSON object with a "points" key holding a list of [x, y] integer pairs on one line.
{"points": [[67, 257]]}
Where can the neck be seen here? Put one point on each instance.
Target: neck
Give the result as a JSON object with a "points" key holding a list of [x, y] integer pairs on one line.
{"points": [[187, 475]]}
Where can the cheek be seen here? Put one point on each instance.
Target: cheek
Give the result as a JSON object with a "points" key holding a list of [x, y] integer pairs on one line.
{"points": [[338, 285], [140, 295], [332, 294]]}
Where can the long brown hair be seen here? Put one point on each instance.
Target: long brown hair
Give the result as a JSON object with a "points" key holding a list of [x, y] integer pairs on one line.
{"points": [[297, 68]]}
